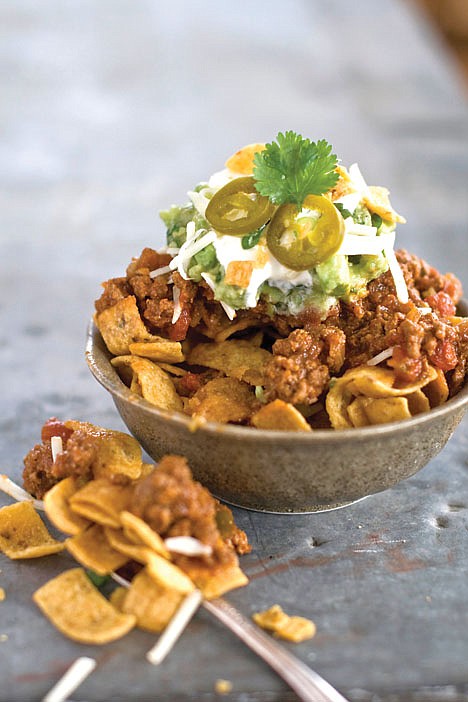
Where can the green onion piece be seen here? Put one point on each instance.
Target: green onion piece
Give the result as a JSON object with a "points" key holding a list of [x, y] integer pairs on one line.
{"points": [[250, 240]]}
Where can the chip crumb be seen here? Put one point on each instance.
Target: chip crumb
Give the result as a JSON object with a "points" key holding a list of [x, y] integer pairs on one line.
{"points": [[296, 629], [195, 423], [3, 638], [223, 687], [2, 594], [23, 534]]}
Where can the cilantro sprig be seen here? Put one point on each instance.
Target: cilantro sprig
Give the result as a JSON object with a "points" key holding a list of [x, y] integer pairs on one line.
{"points": [[291, 168]]}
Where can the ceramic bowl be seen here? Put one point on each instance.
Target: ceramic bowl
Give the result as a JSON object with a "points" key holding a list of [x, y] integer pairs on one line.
{"points": [[279, 471]]}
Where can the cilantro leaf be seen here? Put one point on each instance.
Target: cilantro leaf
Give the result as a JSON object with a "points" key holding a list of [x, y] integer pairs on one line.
{"points": [[291, 168]]}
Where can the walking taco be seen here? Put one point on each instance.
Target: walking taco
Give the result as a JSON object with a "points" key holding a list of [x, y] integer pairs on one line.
{"points": [[280, 302]]}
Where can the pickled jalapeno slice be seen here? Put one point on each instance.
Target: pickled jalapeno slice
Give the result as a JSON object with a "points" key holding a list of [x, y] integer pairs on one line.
{"points": [[238, 209], [301, 238]]}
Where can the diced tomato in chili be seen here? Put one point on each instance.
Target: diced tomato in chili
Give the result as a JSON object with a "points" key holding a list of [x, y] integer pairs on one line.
{"points": [[189, 384], [444, 356], [453, 287], [55, 427], [407, 369], [178, 331], [441, 303]]}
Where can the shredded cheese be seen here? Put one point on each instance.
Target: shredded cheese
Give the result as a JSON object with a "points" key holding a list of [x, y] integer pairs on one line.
{"points": [[382, 356], [200, 202], [17, 492], [160, 271], [230, 311], [191, 247], [221, 178], [75, 675], [177, 307], [188, 546], [56, 444], [395, 270], [355, 244], [121, 581], [175, 628], [171, 250], [358, 180], [360, 229]]}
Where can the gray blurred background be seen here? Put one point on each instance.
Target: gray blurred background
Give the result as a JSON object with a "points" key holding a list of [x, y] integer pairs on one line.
{"points": [[111, 110]]}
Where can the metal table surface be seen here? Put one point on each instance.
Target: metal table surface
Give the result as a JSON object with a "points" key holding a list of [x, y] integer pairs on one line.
{"points": [[112, 110]]}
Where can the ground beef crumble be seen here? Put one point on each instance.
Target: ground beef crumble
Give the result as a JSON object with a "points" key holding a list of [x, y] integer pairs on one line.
{"points": [[311, 349], [168, 498], [41, 472], [298, 371], [174, 504]]}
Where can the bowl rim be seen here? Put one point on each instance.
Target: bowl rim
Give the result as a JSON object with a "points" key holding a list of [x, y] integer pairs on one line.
{"points": [[113, 384]]}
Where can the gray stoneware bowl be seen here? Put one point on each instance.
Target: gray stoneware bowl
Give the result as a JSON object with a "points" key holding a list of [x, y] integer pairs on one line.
{"points": [[280, 471]]}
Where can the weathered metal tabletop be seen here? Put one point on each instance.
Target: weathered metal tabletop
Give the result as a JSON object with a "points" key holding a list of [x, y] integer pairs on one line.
{"points": [[111, 110]]}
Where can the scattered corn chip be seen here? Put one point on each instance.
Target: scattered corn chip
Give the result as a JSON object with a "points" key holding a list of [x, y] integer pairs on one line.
{"points": [[279, 415], [58, 510], [23, 533], [117, 597], [172, 370], [437, 390], [344, 186], [376, 382], [167, 575], [121, 325], [297, 629], [154, 384], [122, 544], [237, 358], [159, 349], [223, 687], [222, 400], [243, 160], [294, 628], [101, 502], [386, 409], [417, 402], [214, 583], [152, 605], [239, 273], [76, 608], [139, 532], [232, 327], [378, 201], [369, 395], [272, 618], [117, 452], [357, 413], [146, 469], [92, 550]]}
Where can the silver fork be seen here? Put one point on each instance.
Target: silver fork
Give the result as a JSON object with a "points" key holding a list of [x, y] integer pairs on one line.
{"points": [[307, 684]]}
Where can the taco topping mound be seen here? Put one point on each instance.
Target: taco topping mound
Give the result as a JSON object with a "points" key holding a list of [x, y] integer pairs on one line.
{"points": [[279, 279]]}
